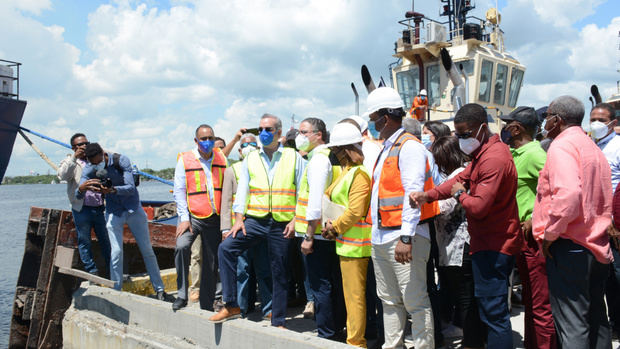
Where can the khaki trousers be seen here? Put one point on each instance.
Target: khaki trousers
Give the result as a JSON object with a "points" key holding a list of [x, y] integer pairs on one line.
{"points": [[354, 288], [402, 290], [195, 263]]}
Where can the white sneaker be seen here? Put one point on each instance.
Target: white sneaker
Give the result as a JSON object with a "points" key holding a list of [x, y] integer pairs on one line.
{"points": [[309, 310]]}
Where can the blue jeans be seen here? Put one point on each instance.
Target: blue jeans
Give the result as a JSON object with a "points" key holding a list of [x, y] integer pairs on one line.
{"points": [[85, 220], [139, 227], [257, 259], [491, 271], [258, 230]]}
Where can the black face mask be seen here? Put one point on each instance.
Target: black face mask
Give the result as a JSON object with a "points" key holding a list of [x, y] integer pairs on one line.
{"points": [[506, 136]]}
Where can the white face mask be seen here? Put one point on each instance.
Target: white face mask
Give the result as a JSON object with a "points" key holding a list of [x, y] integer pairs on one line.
{"points": [[100, 166], [469, 145], [426, 140], [598, 130], [245, 151], [302, 142]]}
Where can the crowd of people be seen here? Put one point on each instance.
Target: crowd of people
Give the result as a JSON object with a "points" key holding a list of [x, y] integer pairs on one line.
{"points": [[389, 220]]}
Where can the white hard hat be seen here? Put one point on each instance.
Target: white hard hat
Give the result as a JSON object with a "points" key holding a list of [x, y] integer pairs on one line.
{"points": [[360, 121], [423, 92], [383, 97], [343, 134]]}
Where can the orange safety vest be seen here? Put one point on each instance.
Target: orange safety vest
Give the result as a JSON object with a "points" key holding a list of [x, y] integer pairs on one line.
{"points": [[391, 191], [197, 193], [417, 108]]}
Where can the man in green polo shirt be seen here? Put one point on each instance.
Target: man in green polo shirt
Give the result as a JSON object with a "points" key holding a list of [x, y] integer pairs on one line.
{"points": [[521, 126]]}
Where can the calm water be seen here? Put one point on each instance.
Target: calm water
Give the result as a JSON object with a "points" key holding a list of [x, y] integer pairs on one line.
{"points": [[15, 202]]}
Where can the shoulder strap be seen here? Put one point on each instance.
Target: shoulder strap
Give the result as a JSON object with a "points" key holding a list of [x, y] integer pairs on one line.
{"points": [[116, 161]]}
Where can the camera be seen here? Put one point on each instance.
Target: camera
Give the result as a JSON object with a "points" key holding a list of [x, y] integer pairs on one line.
{"points": [[106, 182]]}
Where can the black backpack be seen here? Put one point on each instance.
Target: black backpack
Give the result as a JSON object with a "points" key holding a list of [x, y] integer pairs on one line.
{"points": [[117, 165]]}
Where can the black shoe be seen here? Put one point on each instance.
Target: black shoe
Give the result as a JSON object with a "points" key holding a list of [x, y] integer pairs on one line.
{"points": [[178, 304], [162, 296]]}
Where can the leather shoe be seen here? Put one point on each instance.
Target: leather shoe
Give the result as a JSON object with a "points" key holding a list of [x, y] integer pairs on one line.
{"points": [[225, 314], [162, 296], [178, 304]]}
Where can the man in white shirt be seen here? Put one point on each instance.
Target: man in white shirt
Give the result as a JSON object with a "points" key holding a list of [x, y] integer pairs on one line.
{"points": [[400, 242], [602, 123]]}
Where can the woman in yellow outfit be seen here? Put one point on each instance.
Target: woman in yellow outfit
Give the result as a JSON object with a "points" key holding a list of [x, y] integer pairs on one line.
{"points": [[352, 191]]}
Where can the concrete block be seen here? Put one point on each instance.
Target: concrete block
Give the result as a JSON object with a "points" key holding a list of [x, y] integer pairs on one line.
{"points": [[141, 284]]}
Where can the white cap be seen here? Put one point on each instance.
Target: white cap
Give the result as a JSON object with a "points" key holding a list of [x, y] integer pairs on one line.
{"points": [[343, 134], [363, 124], [383, 97], [423, 92]]}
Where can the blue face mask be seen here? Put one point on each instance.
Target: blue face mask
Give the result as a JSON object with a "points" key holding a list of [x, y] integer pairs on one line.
{"points": [[373, 131], [100, 166], [426, 140], [206, 146], [265, 137]]}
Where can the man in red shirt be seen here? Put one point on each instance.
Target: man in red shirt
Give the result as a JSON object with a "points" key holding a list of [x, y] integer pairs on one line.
{"points": [[487, 190]]}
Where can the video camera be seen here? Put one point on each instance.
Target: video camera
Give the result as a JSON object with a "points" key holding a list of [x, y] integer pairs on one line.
{"points": [[102, 175]]}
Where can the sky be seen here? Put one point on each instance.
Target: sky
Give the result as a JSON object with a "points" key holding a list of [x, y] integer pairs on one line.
{"points": [[138, 76]]}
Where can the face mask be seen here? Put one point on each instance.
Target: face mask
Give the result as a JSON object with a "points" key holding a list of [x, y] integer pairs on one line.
{"points": [[506, 136], [206, 146], [598, 130], [265, 137], [469, 145], [372, 130], [100, 166], [426, 140], [545, 132], [247, 150], [423, 97], [302, 142]]}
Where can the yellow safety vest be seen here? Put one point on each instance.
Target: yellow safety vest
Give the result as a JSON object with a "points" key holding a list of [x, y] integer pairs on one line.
{"points": [[355, 242], [301, 224], [278, 198]]}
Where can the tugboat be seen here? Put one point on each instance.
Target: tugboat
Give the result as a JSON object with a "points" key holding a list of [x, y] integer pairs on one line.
{"points": [[458, 61], [11, 110]]}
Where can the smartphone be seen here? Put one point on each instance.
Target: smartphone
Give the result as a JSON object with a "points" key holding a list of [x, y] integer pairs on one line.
{"points": [[253, 131]]}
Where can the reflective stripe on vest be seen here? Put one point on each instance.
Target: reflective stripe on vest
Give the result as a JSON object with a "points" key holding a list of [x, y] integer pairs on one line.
{"points": [[355, 242], [391, 191], [236, 168], [197, 193], [301, 224], [278, 198]]}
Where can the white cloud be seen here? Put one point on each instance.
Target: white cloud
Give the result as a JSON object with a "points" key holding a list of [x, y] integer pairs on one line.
{"points": [[595, 54], [562, 13]]}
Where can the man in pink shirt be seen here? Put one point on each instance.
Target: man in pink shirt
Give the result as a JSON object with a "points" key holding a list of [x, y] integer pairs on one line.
{"points": [[571, 215]]}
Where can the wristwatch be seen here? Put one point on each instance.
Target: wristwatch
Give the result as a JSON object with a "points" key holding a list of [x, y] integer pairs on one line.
{"points": [[458, 193], [405, 239], [308, 237]]}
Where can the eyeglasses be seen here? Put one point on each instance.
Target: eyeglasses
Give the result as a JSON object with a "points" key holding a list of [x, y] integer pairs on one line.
{"points": [[546, 115], [80, 144], [245, 144], [268, 129], [306, 132]]}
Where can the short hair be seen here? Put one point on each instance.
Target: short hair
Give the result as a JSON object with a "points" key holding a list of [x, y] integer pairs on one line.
{"points": [[278, 125], [569, 108], [246, 135], [201, 126], [318, 126], [448, 155], [74, 137], [413, 126], [93, 149], [438, 129], [609, 108], [219, 139], [472, 113]]}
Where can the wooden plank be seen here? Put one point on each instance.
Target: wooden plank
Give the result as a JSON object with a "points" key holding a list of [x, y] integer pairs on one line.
{"points": [[87, 276]]}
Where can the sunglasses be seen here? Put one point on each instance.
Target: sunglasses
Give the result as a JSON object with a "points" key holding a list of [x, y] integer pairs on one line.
{"points": [[306, 132], [81, 144], [268, 129], [245, 144], [464, 135]]}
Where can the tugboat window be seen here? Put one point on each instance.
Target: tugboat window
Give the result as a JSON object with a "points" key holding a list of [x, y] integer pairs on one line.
{"points": [[484, 90], [499, 95], [515, 86], [408, 83], [468, 66], [434, 95]]}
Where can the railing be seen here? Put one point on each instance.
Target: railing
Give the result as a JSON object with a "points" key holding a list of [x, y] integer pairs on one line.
{"points": [[14, 78]]}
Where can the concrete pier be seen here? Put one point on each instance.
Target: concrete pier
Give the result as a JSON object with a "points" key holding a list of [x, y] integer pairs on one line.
{"points": [[104, 318]]}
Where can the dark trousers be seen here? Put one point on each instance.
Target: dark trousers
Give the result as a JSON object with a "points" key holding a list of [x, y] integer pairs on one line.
{"points": [[374, 308], [612, 291], [576, 286], [210, 235], [326, 285], [491, 271], [431, 284], [538, 320], [257, 230], [87, 219], [459, 283]]}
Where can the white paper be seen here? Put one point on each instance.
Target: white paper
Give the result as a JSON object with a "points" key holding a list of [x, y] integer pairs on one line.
{"points": [[330, 210]]}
